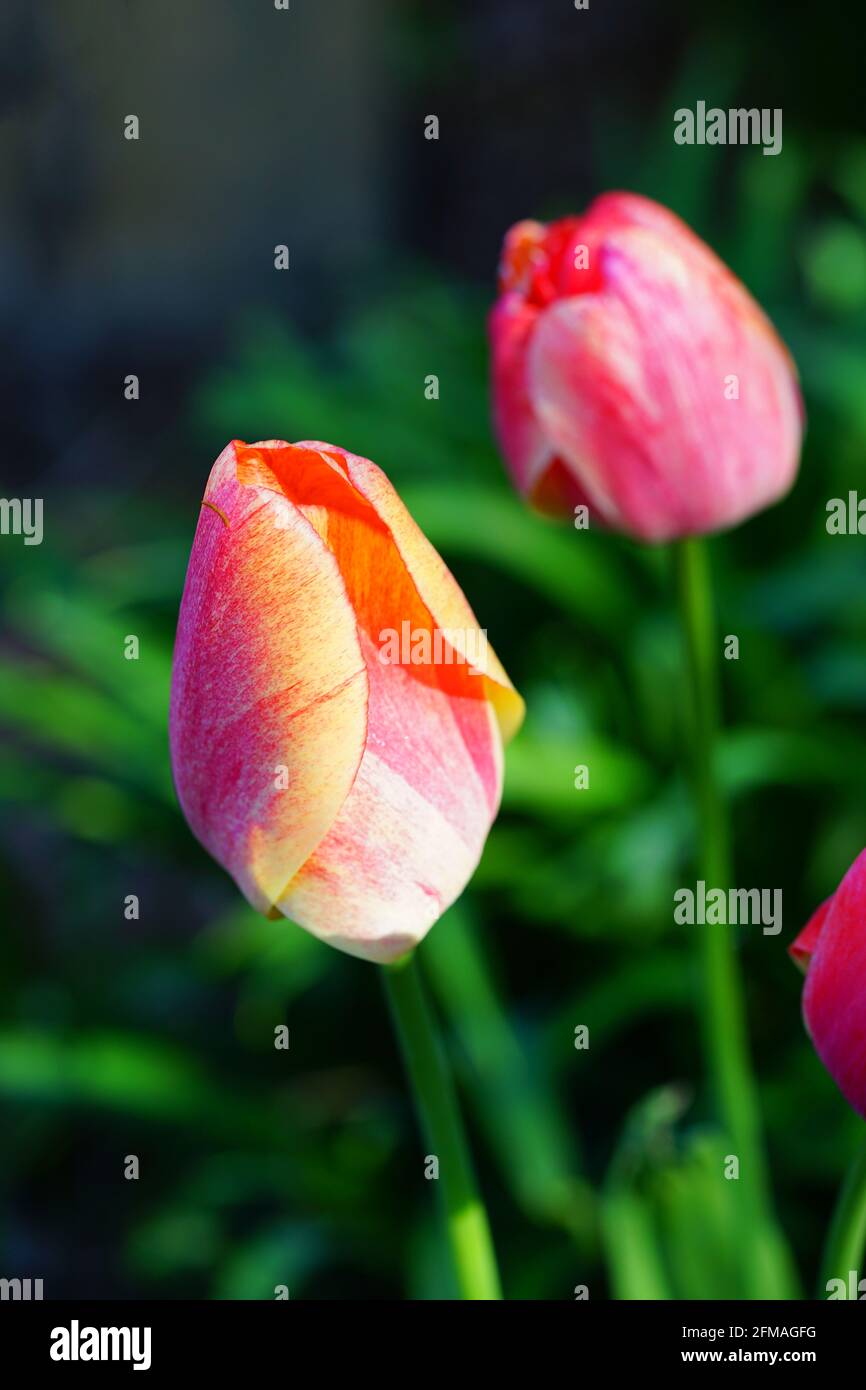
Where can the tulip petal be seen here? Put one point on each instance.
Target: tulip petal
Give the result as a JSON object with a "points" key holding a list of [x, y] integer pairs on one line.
{"points": [[834, 1003], [629, 385], [512, 323], [412, 829], [537, 471], [253, 694], [442, 598], [802, 948]]}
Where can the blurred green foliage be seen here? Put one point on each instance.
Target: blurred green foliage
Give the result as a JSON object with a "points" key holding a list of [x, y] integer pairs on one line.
{"points": [[155, 1037]]}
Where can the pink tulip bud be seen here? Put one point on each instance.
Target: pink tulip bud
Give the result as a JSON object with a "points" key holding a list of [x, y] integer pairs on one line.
{"points": [[634, 374], [831, 949], [343, 779]]}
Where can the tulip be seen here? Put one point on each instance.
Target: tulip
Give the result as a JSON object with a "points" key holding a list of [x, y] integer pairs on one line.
{"points": [[831, 949], [637, 383], [337, 723], [350, 793], [635, 375]]}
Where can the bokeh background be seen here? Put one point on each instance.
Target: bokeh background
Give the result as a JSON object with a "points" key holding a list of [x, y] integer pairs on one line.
{"points": [[155, 1037]]}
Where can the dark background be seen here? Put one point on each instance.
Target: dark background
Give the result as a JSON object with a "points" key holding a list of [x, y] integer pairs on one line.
{"points": [[155, 257]]}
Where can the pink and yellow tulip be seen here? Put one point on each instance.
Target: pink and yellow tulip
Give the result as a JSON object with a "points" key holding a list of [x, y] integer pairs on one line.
{"points": [[348, 793]]}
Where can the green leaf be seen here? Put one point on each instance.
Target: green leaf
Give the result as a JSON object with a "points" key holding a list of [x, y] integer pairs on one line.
{"points": [[520, 1111]]}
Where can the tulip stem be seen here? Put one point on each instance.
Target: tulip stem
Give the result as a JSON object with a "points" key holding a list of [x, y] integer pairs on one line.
{"points": [[466, 1222], [843, 1252], [723, 1010]]}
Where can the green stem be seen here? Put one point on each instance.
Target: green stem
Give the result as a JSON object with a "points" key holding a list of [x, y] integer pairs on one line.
{"points": [[723, 1010], [466, 1222], [847, 1235]]}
